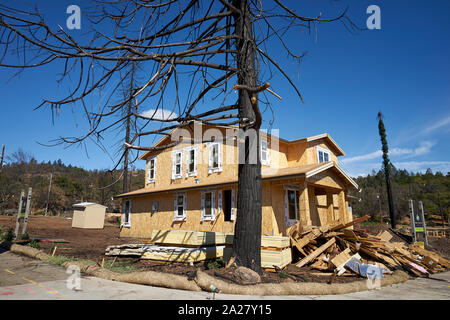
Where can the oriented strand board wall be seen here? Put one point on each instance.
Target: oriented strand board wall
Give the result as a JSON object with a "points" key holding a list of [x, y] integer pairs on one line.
{"points": [[328, 179], [278, 155], [268, 225], [297, 156], [143, 221], [164, 164], [312, 151], [277, 195]]}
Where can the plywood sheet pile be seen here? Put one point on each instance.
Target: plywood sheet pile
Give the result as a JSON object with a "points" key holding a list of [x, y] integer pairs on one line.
{"points": [[194, 246], [180, 254], [275, 251], [339, 249], [166, 253]]}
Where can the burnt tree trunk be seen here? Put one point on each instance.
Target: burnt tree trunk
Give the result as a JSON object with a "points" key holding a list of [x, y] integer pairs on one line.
{"points": [[247, 233]]}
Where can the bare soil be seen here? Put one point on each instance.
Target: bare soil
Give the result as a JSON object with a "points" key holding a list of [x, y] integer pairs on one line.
{"points": [[91, 244]]}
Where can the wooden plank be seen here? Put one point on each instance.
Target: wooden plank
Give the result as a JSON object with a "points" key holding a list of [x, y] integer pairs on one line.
{"points": [[316, 253], [299, 248], [341, 258], [385, 236], [350, 235], [351, 223], [305, 240], [434, 256]]}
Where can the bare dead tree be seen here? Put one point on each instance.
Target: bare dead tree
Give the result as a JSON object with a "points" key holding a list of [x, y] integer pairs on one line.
{"points": [[191, 51], [130, 122]]}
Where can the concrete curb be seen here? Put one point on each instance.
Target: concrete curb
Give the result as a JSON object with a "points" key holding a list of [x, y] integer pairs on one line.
{"points": [[203, 281]]}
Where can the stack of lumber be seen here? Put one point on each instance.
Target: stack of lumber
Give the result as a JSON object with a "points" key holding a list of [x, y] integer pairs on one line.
{"points": [[194, 246], [275, 252], [332, 248], [126, 250], [176, 246], [180, 254], [166, 253]]}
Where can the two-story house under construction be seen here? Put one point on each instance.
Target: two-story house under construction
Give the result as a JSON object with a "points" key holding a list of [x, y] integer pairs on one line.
{"points": [[193, 185]]}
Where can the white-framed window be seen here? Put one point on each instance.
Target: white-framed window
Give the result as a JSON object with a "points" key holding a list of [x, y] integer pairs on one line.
{"points": [[323, 155], [215, 157], [265, 155], [151, 170], [126, 214], [177, 164], [291, 204], [208, 205], [179, 207], [191, 161]]}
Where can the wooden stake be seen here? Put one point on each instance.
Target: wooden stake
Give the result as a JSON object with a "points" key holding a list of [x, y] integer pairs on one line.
{"points": [[54, 250]]}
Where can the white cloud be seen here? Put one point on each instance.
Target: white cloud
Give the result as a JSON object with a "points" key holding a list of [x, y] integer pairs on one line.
{"points": [[369, 156], [363, 169], [422, 166], [159, 114], [423, 148], [437, 125]]}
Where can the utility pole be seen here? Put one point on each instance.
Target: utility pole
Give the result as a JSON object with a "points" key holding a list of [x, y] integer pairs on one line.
{"points": [[48, 195]]}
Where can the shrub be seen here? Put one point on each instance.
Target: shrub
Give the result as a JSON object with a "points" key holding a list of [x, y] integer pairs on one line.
{"points": [[24, 236], [34, 244], [218, 263], [8, 235]]}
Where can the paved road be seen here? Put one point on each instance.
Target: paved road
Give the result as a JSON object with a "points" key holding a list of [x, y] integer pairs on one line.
{"points": [[25, 278]]}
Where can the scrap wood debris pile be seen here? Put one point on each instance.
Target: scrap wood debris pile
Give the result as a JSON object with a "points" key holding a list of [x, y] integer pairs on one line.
{"points": [[337, 250], [342, 250]]}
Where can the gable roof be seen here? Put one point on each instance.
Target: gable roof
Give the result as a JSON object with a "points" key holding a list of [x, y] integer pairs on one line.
{"points": [[325, 136]]}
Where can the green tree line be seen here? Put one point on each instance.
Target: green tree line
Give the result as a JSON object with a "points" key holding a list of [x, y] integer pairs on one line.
{"points": [[433, 189], [70, 184]]}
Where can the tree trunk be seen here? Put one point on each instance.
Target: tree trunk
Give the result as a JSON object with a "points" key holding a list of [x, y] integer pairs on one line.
{"points": [[247, 233], [390, 201], [125, 158]]}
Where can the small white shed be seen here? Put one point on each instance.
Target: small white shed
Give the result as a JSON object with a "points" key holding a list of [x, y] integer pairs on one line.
{"points": [[88, 215]]}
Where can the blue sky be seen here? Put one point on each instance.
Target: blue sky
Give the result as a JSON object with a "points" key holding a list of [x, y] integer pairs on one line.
{"points": [[403, 69]]}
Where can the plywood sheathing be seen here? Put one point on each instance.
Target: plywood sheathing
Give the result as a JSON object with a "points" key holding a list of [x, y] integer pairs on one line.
{"points": [[177, 254]]}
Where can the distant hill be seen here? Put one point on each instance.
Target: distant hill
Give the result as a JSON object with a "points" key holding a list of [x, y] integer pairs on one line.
{"points": [[69, 185], [433, 189]]}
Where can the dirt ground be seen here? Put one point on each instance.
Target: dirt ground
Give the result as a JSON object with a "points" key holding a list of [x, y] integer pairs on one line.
{"points": [[91, 244], [83, 243]]}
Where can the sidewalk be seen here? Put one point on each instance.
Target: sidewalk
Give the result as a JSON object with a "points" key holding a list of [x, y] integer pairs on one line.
{"points": [[25, 278]]}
